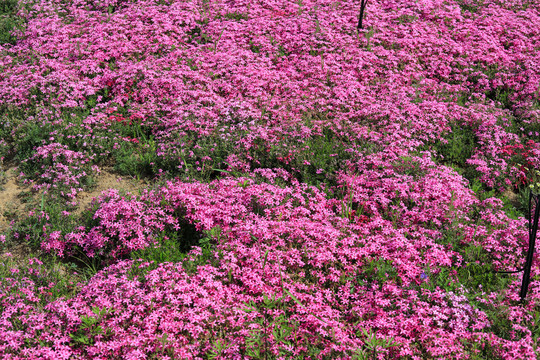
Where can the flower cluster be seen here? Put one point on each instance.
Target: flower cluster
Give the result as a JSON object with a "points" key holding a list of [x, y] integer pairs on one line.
{"points": [[58, 170], [121, 224]]}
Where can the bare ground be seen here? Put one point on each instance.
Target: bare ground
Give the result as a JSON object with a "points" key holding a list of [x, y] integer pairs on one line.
{"points": [[10, 199], [16, 199], [107, 180]]}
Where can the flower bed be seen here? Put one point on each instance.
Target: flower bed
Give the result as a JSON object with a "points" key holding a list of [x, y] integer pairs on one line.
{"points": [[314, 190]]}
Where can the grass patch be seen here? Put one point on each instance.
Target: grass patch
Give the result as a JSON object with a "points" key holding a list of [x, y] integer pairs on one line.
{"points": [[460, 144], [9, 21], [56, 279]]}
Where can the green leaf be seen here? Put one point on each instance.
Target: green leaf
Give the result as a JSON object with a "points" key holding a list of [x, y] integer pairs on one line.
{"points": [[265, 258], [294, 298]]}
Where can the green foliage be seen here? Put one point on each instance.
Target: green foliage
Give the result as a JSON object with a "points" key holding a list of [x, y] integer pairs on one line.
{"points": [[208, 252], [90, 328], [8, 6], [405, 19], [481, 349], [460, 147], [472, 6], [314, 161], [372, 344], [57, 279], [174, 246], [380, 271], [26, 135], [3, 177], [49, 216], [237, 16], [500, 318], [138, 156], [92, 100], [219, 346], [481, 276], [534, 325], [137, 161], [22, 135], [8, 21], [282, 329], [195, 156], [347, 206], [167, 249], [198, 36], [502, 96], [478, 278], [209, 156], [514, 208], [368, 35], [7, 25], [441, 278], [86, 265], [408, 166], [461, 142], [526, 128], [283, 52], [321, 158], [254, 48], [477, 273]]}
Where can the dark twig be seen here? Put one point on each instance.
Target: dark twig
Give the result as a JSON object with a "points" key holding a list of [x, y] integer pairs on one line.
{"points": [[533, 228], [362, 8]]}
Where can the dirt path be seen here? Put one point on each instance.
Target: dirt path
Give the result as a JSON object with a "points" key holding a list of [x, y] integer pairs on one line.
{"points": [[108, 180], [10, 199], [13, 202]]}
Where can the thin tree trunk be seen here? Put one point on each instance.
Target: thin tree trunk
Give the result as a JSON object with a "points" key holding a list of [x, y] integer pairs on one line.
{"points": [[362, 8]]}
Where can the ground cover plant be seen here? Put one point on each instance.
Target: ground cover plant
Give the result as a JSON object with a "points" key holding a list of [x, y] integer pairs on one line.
{"points": [[301, 188]]}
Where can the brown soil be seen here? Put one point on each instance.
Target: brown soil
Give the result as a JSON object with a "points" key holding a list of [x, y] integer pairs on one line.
{"points": [[11, 205], [14, 198], [17, 199], [107, 180], [512, 196]]}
